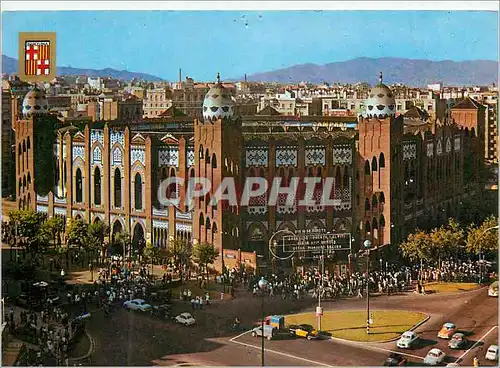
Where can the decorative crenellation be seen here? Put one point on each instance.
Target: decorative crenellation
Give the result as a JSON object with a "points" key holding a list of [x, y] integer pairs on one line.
{"points": [[78, 152], [183, 215], [190, 156], [40, 198], [179, 226], [42, 208], [59, 211], [160, 224], [96, 135], [116, 137], [117, 157], [448, 145], [256, 156], [439, 148], [286, 156], [168, 156], [342, 155], [160, 212], [137, 154], [97, 155], [315, 155], [457, 143], [409, 151], [430, 149]]}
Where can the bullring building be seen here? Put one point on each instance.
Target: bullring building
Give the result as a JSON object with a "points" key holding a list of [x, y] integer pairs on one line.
{"points": [[390, 173]]}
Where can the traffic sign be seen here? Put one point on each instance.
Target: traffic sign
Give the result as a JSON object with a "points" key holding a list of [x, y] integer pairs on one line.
{"points": [[319, 311]]}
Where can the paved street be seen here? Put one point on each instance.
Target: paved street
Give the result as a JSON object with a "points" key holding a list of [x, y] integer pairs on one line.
{"points": [[138, 339]]}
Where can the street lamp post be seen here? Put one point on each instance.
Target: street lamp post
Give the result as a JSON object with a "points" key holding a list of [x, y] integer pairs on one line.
{"points": [[319, 312], [263, 287], [367, 245], [480, 253]]}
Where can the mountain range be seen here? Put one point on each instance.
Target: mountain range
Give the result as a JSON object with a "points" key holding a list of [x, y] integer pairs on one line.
{"points": [[412, 72], [9, 65]]}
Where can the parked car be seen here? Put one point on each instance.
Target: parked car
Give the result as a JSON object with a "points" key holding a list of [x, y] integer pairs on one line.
{"points": [[447, 330], [394, 360], [407, 340], [492, 352], [493, 289], [185, 319], [457, 341], [137, 304], [306, 331], [269, 331], [434, 357]]}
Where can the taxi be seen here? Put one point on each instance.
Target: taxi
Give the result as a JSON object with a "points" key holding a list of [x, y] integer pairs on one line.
{"points": [[447, 330], [306, 331]]}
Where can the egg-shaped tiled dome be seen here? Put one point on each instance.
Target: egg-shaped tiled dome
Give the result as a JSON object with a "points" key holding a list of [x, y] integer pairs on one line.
{"points": [[218, 103], [380, 102], [35, 103]]}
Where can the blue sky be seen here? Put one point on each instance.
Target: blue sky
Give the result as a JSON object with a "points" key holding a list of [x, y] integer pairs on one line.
{"points": [[237, 42]]}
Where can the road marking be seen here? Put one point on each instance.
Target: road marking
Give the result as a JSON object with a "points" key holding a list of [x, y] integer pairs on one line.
{"points": [[233, 340], [475, 344]]}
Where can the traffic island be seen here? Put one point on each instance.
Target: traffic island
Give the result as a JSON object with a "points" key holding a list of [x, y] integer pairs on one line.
{"points": [[386, 325], [449, 287]]}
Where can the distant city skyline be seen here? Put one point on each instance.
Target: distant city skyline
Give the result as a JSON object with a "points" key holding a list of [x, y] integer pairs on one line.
{"points": [[233, 43]]}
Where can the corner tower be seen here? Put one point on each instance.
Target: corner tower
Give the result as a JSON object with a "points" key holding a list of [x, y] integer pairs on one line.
{"points": [[218, 151], [380, 133]]}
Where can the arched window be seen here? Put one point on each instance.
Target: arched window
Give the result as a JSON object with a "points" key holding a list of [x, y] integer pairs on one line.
{"points": [[214, 161], [367, 204], [97, 155], [367, 167], [374, 200], [207, 156], [381, 160], [382, 197], [97, 186], [374, 163], [29, 180], [368, 228], [345, 179], [117, 156], [374, 224], [20, 158], [64, 175], [382, 221], [138, 191], [201, 153], [118, 187], [79, 186], [28, 146]]}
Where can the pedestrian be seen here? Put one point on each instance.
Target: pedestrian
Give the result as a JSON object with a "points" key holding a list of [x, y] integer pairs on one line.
{"points": [[222, 295], [193, 303], [207, 298], [200, 302]]}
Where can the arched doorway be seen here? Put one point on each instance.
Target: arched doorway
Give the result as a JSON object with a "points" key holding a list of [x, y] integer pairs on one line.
{"points": [[138, 241]]}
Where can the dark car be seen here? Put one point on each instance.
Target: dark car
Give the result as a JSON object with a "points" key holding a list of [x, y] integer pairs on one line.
{"points": [[163, 311], [394, 360], [458, 341]]}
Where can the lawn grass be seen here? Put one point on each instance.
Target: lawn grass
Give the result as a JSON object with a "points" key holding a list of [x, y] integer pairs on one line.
{"points": [[351, 325], [449, 287]]}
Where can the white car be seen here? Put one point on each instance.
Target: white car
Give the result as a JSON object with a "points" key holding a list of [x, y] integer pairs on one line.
{"points": [[434, 357], [407, 340], [492, 352], [185, 319], [137, 304]]}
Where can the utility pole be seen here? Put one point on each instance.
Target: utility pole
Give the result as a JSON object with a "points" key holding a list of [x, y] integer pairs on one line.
{"points": [[319, 312], [368, 292]]}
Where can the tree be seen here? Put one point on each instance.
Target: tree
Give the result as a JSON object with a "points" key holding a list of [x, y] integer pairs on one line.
{"points": [[205, 254], [78, 236], [55, 227], [479, 238], [179, 250], [98, 231], [446, 240], [417, 247], [122, 239], [29, 230], [151, 253]]}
